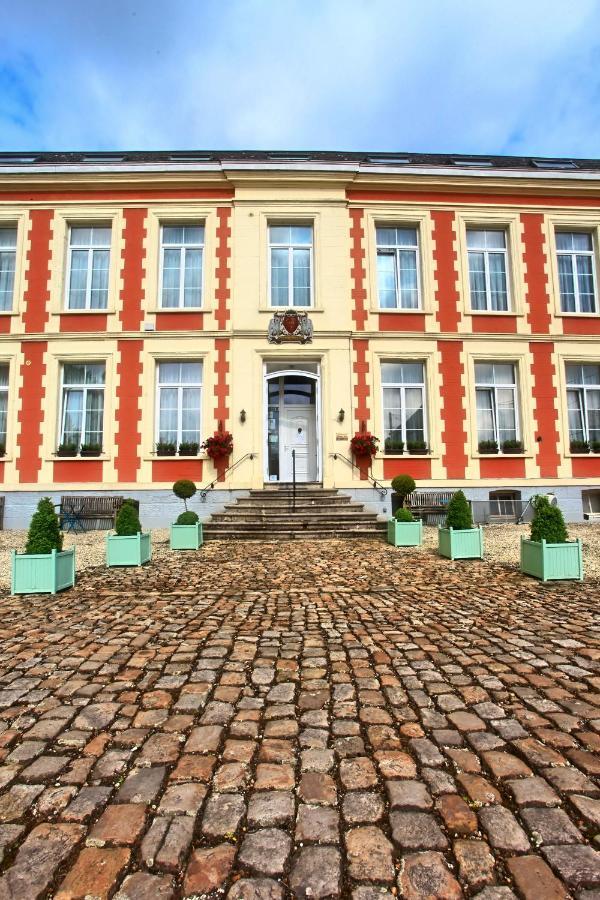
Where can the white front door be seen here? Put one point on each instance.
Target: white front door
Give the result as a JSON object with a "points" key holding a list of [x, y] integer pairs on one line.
{"points": [[298, 433]]}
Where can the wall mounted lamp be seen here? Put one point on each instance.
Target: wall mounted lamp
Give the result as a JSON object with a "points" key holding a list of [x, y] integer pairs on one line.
{"points": [[243, 416], [341, 415]]}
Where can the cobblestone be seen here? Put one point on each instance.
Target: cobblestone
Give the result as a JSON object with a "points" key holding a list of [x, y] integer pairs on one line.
{"points": [[360, 722]]}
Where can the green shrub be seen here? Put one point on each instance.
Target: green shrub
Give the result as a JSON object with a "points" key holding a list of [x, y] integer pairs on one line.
{"points": [[548, 523], [403, 485], [187, 518], [44, 534], [184, 489], [404, 515], [189, 448], [458, 515], [127, 522]]}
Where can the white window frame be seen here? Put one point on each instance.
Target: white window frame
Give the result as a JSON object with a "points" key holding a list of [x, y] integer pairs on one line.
{"points": [[183, 248], [582, 390], [403, 385], [290, 248], [180, 386], [9, 227], [573, 254], [85, 388], [88, 277], [4, 389], [494, 388], [486, 269], [394, 249]]}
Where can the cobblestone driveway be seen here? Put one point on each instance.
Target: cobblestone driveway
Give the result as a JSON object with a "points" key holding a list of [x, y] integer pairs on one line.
{"points": [[305, 720]]}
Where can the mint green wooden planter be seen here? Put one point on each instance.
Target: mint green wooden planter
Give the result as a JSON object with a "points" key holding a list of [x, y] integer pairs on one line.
{"points": [[552, 562], [461, 543], [42, 573], [186, 537], [131, 550], [405, 534]]}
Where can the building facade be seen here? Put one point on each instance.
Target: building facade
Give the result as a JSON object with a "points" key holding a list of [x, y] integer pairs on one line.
{"points": [[452, 303]]}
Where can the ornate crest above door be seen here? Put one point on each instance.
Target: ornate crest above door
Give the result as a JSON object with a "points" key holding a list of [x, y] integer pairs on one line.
{"points": [[290, 327]]}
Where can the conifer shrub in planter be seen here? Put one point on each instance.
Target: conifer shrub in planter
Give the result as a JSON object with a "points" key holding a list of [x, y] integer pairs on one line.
{"points": [[45, 567], [402, 486], [548, 554], [459, 539], [403, 530], [186, 532], [129, 546]]}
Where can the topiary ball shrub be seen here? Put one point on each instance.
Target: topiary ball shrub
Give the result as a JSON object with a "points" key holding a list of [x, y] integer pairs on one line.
{"points": [[404, 515], [187, 518], [184, 489], [44, 534], [548, 523], [403, 485], [458, 515], [127, 522]]}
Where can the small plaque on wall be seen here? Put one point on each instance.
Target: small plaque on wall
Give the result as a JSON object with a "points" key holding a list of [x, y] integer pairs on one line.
{"points": [[341, 437]]}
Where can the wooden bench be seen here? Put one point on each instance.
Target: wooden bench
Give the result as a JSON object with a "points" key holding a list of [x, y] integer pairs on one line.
{"points": [[79, 513], [429, 506]]}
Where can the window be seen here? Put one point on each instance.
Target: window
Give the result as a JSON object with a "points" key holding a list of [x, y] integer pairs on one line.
{"points": [[397, 268], [403, 404], [82, 407], [8, 256], [505, 505], [290, 253], [179, 402], [3, 405], [575, 258], [89, 256], [488, 282], [583, 402], [181, 256], [497, 406]]}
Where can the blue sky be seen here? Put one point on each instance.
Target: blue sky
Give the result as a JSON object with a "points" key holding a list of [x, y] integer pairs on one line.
{"points": [[521, 76]]}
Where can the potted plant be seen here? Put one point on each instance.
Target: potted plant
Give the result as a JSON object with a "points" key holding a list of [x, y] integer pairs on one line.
{"points": [[579, 447], [595, 446], [459, 539], [166, 448], [548, 554], [91, 449], [219, 445], [189, 448], [128, 547], [403, 530], [487, 447], [45, 567], [402, 486], [393, 445], [186, 532], [2, 450], [67, 448], [416, 448], [512, 446]]}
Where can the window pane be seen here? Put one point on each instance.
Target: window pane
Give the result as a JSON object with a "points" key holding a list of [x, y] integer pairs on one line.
{"points": [[402, 373], [170, 278], [190, 415], [7, 278], [386, 280], [566, 283], [392, 413], [477, 280], [484, 373], [167, 425], [80, 237], [78, 279], [507, 423], [193, 234], [73, 416], [575, 408], [93, 417], [280, 234], [504, 373], [485, 416], [589, 374], [172, 234], [414, 414], [495, 239], [386, 237], [301, 275], [8, 238], [585, 282], [475, 239], [100, 236], [99, 288], [301, 234], [192, 278], [499, 292], [564, 241], [582, 241], [3, 416], [279, 277], [409, 297], [74, 373], [593, 412], [3, 377], [191, 373], [575, 373], [95, 373]]}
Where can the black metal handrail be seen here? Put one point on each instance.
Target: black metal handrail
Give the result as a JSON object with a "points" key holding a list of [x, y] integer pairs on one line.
{"points": [[376, 484], [211, 485]]}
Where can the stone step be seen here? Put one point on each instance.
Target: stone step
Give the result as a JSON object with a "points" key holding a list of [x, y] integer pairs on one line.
{"points": [[296, 524], [301, 500], [364, 533], [294, 519]]}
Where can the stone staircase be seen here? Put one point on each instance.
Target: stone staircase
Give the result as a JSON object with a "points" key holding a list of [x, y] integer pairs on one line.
{"points": [[266, 515]]}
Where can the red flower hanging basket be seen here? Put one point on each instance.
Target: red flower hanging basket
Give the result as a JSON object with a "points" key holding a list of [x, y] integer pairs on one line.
{"points": [[219, 445], [364, 444]]}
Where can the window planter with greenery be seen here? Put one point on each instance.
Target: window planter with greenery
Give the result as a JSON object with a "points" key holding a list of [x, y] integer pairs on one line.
{"points": [[129, 546], [512, 446], [404, 531], [2, 450], [186, 532], [393, 446], [487, 447], [189, 449], [45, 567], [595, 446], [579, 447], [90, 450], [459, 539], [402, 487], [417, 448], [548, 554], [166, 448], [67, 449]]}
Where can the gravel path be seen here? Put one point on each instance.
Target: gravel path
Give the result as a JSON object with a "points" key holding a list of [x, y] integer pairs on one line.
{"points": [[501, 546]]}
